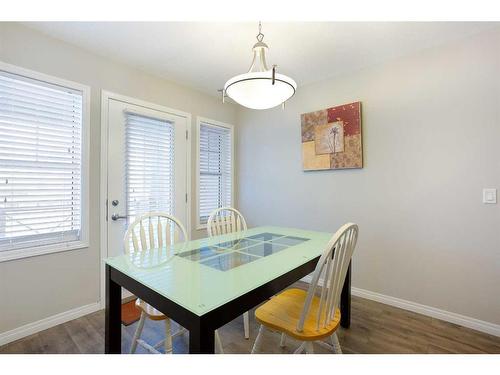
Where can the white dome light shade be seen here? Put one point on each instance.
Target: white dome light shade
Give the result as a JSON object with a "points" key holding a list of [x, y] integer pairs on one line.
{"points": [[256, 90], [260, 87]]}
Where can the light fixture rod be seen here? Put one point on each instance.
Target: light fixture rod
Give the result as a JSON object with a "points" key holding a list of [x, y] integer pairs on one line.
{"points": [[223, 95], [260, 36]]}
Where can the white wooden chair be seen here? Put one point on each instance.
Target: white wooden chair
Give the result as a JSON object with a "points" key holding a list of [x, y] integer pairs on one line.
{"points": [[314, 314], [223, 221], [153, 231]]}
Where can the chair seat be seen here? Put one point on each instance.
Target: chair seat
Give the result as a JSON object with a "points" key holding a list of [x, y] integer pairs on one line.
{"points": [[149, 310], [282, 313]]}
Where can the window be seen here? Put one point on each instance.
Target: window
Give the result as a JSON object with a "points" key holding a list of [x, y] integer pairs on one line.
{"points": [[42, 164], [149, 150], [215, 166]]}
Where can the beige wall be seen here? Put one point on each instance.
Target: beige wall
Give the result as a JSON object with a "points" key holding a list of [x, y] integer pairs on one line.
{"points": [[431, 129], [35, 288]]}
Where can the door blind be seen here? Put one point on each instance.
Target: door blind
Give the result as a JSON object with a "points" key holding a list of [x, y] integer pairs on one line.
{"points": [[40, 163], [149, 170], [215, 180]]}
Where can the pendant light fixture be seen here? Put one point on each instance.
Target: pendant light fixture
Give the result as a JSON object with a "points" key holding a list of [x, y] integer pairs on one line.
{"points": [[260, 87]]}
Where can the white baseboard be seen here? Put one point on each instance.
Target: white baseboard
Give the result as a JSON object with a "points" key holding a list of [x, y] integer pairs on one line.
{"points": [[462, 320], [51, 321]]}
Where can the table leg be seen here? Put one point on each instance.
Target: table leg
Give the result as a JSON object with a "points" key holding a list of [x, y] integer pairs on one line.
{"points": [[345, 300], [201, 340], [113, 329]]}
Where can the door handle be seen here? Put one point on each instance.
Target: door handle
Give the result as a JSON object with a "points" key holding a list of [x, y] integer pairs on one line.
{"points": [[116, 216]]}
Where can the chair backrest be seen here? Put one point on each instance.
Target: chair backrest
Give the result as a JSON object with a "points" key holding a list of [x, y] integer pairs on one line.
{"points": [[153, 231], [225, 220], [331, 269]]}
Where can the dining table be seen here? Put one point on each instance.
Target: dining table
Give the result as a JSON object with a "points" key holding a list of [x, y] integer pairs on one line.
{"points": [[204, 284]]}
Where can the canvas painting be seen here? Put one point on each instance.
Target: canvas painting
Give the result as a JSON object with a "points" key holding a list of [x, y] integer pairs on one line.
{"points": [[331, 138]]}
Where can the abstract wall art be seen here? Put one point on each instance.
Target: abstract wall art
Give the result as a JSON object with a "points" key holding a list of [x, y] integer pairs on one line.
{"points": [[331, 138]]}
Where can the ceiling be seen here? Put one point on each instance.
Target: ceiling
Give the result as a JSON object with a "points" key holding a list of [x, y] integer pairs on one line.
{"points": [[204, 55]]}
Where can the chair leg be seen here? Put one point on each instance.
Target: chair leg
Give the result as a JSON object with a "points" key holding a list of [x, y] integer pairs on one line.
{"points": [[283, 340], [300, 349], [137, 334], [309, 347], [258, 340], [246, 325], [336, 344], [168, 336], [218, 342]]}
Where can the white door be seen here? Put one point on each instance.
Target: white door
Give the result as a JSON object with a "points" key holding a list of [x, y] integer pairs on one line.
{"points": [[147, 167]]}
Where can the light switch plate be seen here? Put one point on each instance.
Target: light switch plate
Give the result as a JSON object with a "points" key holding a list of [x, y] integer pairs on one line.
{"points": [[490, 196]]}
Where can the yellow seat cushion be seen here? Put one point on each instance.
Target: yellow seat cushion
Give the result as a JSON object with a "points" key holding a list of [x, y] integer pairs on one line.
{"points": [[282, 313], [150, 311]]}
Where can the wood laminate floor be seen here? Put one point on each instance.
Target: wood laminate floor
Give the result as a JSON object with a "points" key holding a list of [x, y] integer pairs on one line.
{"points": [[375, 328]]}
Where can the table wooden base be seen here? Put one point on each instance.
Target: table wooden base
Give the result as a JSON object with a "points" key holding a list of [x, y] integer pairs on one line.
{"points": [[201, 328]]}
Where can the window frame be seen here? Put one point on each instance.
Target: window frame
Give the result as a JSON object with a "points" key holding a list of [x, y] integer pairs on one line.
{"points": [[203, 120], [9, 255]]}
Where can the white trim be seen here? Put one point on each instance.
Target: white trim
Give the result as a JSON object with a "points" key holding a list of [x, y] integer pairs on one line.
{"points": [[84, 240], [189, 178], [41, 250], [51, 321], [103, 194], [43, 77], [448, 316], [199, 120], [105, 97]]}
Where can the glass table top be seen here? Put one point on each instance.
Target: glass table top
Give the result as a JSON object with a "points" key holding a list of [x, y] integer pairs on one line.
{"points": [[202, 275]]}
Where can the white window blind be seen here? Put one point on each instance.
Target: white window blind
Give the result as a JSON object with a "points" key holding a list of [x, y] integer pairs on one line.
{"points": [[215, 180], [149, 149], [40, 163]]}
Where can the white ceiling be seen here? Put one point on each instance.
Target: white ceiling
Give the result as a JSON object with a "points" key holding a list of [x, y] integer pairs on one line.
{"points": [[204, 55]]}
